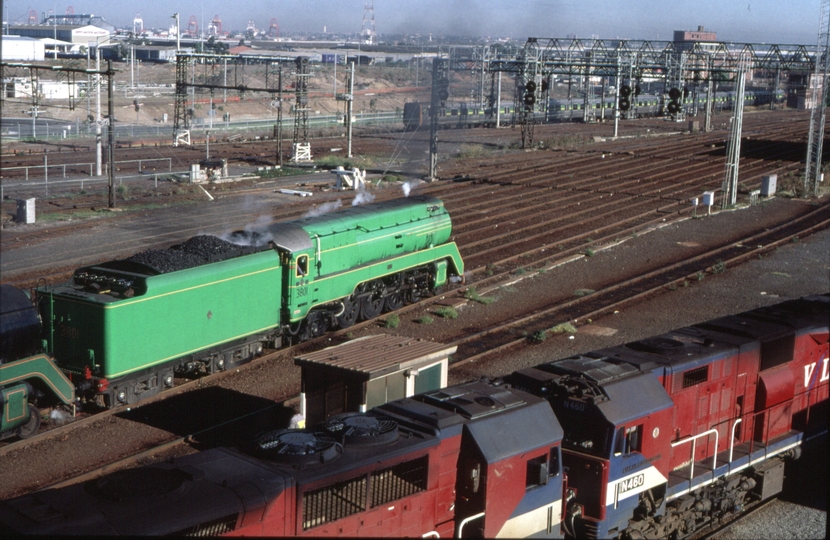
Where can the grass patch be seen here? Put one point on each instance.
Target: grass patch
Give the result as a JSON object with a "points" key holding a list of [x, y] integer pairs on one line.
{"points": [[538, 336], [589, 252], [285, 171], [520, 271], [392, 321], [782, 274], [719, 267], [446, 312], [583, 292], [508, 289], [473, 295], [361, 162], [393, 178], [563, 328], [425, 319], [490, 269], [471, 150]]}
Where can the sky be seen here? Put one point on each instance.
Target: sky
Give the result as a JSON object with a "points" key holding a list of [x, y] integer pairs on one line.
{"points": [[746, 21]]}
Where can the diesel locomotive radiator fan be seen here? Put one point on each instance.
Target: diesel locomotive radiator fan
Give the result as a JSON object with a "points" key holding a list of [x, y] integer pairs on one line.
{"points": [[358, 429], [296, 447]]}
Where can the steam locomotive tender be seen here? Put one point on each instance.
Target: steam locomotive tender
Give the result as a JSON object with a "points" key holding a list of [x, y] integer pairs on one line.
{"points": [[123, 328]]}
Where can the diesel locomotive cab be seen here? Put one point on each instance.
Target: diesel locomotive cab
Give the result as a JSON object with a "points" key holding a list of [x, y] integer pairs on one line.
{"points": [[613, 447]]}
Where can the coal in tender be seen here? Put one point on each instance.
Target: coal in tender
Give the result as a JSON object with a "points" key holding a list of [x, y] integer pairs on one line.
{"points": [[167, 260], [196, 251], [208, 247]]}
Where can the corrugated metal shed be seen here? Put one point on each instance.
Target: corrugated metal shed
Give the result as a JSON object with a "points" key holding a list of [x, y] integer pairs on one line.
{"points": [[375, 356]]}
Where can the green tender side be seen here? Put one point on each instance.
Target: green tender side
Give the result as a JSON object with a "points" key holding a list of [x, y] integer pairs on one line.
{"points": [[368, 242], [180, 313], [38, 368]]}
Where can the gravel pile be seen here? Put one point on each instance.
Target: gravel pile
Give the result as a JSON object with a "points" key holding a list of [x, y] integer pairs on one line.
{"points": [[199, 250]]}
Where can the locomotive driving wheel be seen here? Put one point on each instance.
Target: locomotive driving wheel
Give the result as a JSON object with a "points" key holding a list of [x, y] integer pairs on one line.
{"points": [[351, 309], [394, 301], [371, 305], [394, 297]]}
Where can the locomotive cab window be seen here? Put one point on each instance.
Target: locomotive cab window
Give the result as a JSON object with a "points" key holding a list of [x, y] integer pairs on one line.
{"points": [[629, 440], [540, 469], [537, 472], [302, 265]]}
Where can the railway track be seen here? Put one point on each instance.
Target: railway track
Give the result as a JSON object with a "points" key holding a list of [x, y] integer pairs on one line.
{"points": [[625, 203], [615, 296], [475, 347]]}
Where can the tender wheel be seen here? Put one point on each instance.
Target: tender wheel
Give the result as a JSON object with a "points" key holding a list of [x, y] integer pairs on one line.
{"points": [[393, 302], [32, 424], [351, 309]]}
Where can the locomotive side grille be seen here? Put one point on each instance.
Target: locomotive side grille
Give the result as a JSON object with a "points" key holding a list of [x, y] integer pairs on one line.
{"points": [[399, 481], [334, 502], [214, 527], [695, 376]]}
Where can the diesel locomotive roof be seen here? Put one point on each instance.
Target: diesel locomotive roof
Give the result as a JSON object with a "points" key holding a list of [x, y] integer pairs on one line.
{"points": [[619, 391], [441, 409], [201, 484], [770, 322]]}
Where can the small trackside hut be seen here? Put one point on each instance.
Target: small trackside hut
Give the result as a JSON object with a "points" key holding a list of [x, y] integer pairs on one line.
{"points": [[366, 372]]}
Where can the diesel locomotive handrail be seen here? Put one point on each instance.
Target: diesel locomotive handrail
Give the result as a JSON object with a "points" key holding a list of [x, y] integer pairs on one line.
{"points": [[693, 440]]}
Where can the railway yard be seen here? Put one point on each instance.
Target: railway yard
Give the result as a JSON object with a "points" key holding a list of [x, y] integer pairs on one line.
{"points": [[584, 229]]}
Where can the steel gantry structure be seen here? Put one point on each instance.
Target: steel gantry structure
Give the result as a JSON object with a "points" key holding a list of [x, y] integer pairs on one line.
{"points": [[815, 142], [70, 76], [247, 75], [678, 64]]}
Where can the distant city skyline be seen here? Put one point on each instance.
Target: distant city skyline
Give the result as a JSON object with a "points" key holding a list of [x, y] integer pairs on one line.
{"points": [[749, 21]]}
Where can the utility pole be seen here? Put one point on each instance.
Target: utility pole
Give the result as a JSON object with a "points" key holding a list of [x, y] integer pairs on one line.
{"points": [[111, 137], [98, 141], [349, 99], [440, 95]]}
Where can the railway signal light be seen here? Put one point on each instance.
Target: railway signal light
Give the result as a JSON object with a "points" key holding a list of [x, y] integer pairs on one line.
{"points": [[674, 105], [442, 87], [530, 94]]}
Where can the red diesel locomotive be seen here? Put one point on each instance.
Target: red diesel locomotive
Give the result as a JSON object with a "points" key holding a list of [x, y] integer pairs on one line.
{"points": [[665, 434], [651, 439]]}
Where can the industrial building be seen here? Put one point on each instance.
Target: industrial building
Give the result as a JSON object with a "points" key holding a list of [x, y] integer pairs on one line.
{"points": [[22, 49]]}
